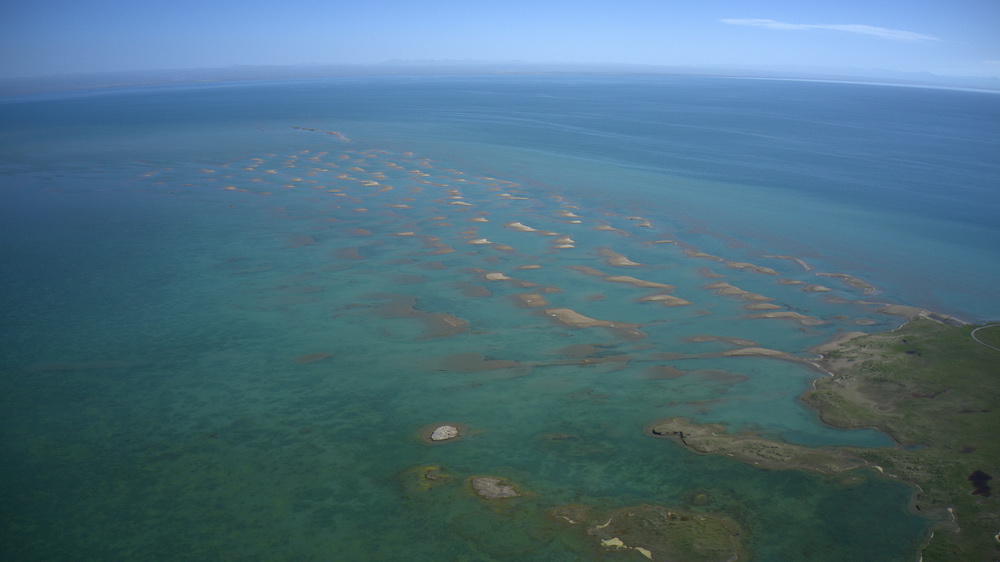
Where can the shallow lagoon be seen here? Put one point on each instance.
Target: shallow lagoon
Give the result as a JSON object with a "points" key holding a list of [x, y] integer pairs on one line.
{"points": [[216, 353]]}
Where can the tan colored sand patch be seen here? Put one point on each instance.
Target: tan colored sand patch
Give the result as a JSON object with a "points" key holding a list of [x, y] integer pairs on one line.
{"points": [[616, 259], [701, 338], [665, 300], [816, 289], [530, 266], [520, 227], [790, 315], [727, 289], [530, 300], [751, 267], [696, 254], [837, 342], [761, 306], [574, 318], [442, 324], [609, 228], [754, 351], [638, 282], [799, 261], [852, 281]]}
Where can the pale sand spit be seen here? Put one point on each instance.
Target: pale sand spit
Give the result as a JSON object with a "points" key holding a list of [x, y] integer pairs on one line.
{"points": [[788, 314], [666, 300], [751, 267], [616, 259]]}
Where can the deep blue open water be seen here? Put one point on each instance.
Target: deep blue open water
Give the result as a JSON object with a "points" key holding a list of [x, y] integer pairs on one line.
{"points": [[225, 327]]}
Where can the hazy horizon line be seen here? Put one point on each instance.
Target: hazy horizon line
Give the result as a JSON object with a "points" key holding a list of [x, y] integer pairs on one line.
{"points": [[87, 80]]}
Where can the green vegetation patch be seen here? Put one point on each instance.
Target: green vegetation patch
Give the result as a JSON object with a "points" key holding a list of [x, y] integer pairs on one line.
{"points": [[936, 391], [754, 449], [660, 533]]}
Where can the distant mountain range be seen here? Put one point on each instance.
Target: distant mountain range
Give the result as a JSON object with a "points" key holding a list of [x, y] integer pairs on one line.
{"points": [[66, 82]]}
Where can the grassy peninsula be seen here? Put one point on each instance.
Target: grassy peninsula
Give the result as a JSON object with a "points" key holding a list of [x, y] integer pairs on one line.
{"points": [[935, 390]]}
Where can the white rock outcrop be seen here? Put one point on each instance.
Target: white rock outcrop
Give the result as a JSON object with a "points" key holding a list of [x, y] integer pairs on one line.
{"points": [[444, 433]]}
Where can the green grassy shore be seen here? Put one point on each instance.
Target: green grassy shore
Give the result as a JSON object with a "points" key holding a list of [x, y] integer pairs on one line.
{"points": [[935, 390]]}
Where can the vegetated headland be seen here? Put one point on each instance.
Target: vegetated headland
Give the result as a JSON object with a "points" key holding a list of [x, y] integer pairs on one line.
{"points": [[933, 389]]}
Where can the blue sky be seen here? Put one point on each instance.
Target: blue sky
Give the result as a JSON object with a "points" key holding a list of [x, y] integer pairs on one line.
{"points": [[950, 37]]}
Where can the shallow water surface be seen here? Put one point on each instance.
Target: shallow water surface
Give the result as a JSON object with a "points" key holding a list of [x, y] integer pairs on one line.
{"points": [[234, 309]]}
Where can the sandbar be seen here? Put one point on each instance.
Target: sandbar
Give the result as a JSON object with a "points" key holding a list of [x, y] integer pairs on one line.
{"points": [[530, 300], [751, 267], [666, 300], [801, 318], [755, 351], [574, 319], [751, 448], [852, 281], [616, 259], [520, 227], [696, 254], [701, 338], [638, 282], [724, 288], [761, 306]]}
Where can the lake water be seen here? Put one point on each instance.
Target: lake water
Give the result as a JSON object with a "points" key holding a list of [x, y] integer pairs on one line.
{"points": [[231, 309]]}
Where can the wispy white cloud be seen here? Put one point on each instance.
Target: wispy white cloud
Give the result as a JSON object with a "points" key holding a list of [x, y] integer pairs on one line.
{"points": [[883, 32]]}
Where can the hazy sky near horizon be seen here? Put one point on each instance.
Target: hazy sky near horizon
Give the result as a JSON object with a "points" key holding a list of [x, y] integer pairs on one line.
{"points": [[952, 37]]}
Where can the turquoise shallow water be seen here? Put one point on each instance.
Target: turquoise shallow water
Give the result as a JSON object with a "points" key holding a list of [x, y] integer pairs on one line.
{"points": [[226, 334]]}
